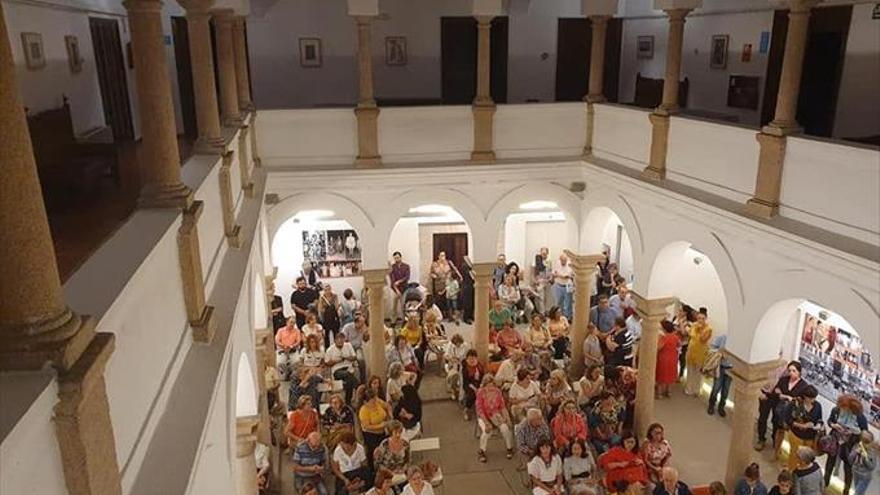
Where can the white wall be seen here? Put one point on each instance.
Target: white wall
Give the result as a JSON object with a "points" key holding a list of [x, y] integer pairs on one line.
{"points": [[526, 233], [857, 104]]}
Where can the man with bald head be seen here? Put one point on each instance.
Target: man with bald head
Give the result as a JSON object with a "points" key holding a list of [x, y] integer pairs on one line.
{"points": [[309, 463], [670, 484]]}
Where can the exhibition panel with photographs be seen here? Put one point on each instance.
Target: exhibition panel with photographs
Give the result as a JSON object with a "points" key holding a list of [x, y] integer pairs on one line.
{"points": [[333, 253]]}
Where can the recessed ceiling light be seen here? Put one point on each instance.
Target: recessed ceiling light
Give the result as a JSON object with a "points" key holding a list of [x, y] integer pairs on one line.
{"points": [[431, 209], [538, 205], [313, 214]]}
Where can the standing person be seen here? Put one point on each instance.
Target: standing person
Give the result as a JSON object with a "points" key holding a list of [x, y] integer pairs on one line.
{"points": [[863, 462], [563, 285], [492, 414], [602, 316], [301, 300], [682, 322], [349, 307], [701, 334], [667, 359], [593, 355], [440, 269], [804, 422], [619, 343], [328, 310], [722, 381], [808, 475], [452, 291], [542, 281], [467, 291], [545, 470], [278, 318], [847, 422], [499, 271], [787, 389], [767, 403], [622, 303], [399, 280]]}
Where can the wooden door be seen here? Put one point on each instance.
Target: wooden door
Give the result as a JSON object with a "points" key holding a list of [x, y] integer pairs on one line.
{"points": [[110, 65], [573, 45], [455, 245], [184, 76], [458, 60]]}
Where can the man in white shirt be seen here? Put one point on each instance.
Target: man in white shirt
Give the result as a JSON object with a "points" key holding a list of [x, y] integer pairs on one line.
{"points": [[356, 333], [342, 359], [622, 301], [563, 285]]}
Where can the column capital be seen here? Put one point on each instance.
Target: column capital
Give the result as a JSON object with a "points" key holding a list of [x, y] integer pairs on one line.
{"points": [[246, 435], [364, 20], [751, 373], [142, 6], [605, 8], [374, 277], [586, 262], [484, 21], [223, 15], [597, 20], [795, 6], [196, 6], [677, 15], [484, 270], [651, 309]]}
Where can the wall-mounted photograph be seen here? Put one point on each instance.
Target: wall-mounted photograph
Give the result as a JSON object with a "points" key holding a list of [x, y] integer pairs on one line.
{"points": [[718, 53], [335, 253], [645, 47], [395, 50], [310, 54], [34, 55]]}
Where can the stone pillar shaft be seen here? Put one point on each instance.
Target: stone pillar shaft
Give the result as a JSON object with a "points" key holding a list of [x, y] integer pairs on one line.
{"points": [[247, 183], [160, 173], [199, 314], [245, 444], [674, 43], [652, 312], [198, 19], [597, 58], [375, 282], [229, 108], [584, 278], [484, 107], [367, 112], [482, 281], [785, 117], [242, 76], [227, 202]]}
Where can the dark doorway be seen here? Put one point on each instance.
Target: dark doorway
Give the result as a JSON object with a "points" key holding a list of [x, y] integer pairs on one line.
{"points": [[458, 60], [110, 65], [823, 65], [573, 45], [455, 246], [184, 76]]}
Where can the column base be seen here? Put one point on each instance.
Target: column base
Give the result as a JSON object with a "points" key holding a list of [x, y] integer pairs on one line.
{"points": [[210, 146], [165, 196], [652, 173], [233, 121], [483, 156], [233, 238], [83, 425], [368, 161], [761, 209], [595, 99], [204, 328], [60, 339], [779, 129], [248, 189]]}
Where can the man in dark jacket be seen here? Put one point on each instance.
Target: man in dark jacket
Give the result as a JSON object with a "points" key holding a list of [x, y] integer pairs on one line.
{"points": [[670, 485]]}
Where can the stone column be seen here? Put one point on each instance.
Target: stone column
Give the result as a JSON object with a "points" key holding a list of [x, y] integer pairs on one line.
{"points": [[367, 112], [198, 18], [255, 154], [247, 183], [771, 139], [484, 107], [652, 312], [199, 314], [597, 75], [748, 379], [242, 76], [584, 278], [231, 230], [229, 109], [660, 117], [160, 173], [263, 346], [245, 443], [374, 280], [36, 326], [482, 281]]}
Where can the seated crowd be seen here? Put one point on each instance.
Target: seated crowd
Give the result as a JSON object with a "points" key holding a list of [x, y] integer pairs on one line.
{"points": [[570, 436]]}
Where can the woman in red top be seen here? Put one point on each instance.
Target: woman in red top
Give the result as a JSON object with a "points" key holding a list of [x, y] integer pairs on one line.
{"points": [[568, 426], [667, 359], [301, 421], [492, 415], [623, 462]]}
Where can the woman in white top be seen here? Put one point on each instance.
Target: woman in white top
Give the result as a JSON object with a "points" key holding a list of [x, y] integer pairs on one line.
{"points": [[545, 470], [453, 355], [579, 470], [312, 356], [524, 394], [349, 464], [312, 327], [590, 386], [417, 484]]}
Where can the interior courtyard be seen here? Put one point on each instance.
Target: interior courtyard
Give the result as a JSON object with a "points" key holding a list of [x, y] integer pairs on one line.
{"points": [[320, 247]]}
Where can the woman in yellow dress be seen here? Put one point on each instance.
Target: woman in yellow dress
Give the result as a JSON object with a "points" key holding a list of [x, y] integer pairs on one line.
{"points": [[700, 335]]}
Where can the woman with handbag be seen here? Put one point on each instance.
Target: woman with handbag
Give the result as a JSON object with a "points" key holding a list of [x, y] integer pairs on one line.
{"points": [[847, 422], [804, 423], [788, 388]]}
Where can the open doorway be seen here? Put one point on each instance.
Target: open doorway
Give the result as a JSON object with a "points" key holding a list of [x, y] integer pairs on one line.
{"points": [[458, 60], [455, 245], [573, 51], [111, 77], [820, 83], [184, 76]]}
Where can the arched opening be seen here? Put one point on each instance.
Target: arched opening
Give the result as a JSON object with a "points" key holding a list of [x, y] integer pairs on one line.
{"points": [[260, 314], [322, 240], [682, 271], [604, 231], [245, 392], [420, 236]]}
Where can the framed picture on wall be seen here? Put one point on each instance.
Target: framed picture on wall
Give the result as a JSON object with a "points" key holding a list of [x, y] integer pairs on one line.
{"points": [[34, 55], [74, 60], [310, 54], [395, 50], [718, 53], [645, 47]]}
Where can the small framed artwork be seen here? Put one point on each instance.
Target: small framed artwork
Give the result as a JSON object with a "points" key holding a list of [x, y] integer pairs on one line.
{"points": [[74, 60], [645, 47], [747, 53], [718, 53], [310, 54], [395, 50], [34, 55]]}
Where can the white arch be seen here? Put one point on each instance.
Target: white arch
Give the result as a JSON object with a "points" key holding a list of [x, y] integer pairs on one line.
{"points": [[598, 197], [596, 230], [509, 203], [341, 206], [245, 389]]}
